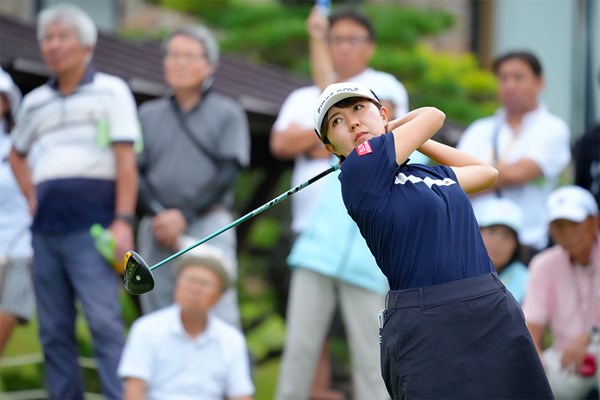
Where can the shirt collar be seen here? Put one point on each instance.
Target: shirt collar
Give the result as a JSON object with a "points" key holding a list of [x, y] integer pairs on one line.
{"points": [[528, 117], [88, 77], [177, 326]]}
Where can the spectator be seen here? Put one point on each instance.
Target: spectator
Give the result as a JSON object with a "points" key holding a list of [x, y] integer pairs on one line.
{"points": [[183, 351], [528, 146], [563, 294], [346, 43], [500, 221], [16, 292], [192, 129], [587, 160], [77, 131]]}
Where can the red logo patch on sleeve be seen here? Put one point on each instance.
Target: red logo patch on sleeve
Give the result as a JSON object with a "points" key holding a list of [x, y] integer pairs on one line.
{"points": [[364, 148]]}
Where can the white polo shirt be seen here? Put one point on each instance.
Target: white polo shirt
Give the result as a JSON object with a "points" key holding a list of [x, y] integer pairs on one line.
{"points": [[74, 133], [68, 142], [545, 139], [213, 365]]}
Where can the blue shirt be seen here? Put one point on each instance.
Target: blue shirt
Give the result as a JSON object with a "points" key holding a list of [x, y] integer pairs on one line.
{"points": [[417, 220], [514, 277]]}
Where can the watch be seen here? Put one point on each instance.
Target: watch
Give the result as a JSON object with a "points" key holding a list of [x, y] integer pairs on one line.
{"points": [[128, 218]]}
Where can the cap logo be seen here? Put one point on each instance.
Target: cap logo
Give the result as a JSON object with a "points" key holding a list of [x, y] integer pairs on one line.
{"points": [[364, 148], [341, 90]]}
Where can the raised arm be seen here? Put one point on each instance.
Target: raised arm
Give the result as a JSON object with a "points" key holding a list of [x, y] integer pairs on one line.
{"points": [[321, 64], [414, 129], [472, 173]]}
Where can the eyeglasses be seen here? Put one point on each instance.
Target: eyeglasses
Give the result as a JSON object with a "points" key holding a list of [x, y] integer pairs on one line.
{"points": [[353, 41], [203, 283], [185, 57]]}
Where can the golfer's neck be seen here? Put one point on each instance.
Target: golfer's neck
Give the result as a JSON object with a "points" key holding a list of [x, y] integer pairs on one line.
{"points": [[187, 99]]}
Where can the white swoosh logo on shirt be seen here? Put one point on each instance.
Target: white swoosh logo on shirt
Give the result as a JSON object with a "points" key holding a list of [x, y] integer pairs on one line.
{"points": [[401, 179]]}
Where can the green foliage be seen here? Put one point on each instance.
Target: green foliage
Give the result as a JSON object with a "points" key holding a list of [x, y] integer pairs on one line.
{"points": [[275, 32], [452, 83]]}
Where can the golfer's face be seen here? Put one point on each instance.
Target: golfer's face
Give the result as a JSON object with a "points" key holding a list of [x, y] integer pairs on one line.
{"points": [[351, 126], [185, 63], [198, 289], [62, 50]]}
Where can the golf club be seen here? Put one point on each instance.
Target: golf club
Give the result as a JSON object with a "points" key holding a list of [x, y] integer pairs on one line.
{"points": [[138, 276]]}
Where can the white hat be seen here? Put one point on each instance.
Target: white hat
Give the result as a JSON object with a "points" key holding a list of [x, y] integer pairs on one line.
{"points": [[499, 211], [210, 257], [572, 203], [336, 92], [12, 92]]}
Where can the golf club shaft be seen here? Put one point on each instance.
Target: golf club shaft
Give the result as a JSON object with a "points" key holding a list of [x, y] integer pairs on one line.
{"points": [[248, 216]]}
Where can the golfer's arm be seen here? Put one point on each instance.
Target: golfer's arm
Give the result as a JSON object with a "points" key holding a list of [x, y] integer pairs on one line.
{"points": [[414, 129], [472, 173], [127, 178], [134, 389], [241, 398]]}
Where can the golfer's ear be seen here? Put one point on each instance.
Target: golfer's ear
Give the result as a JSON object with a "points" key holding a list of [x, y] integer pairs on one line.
{"points": [[383, 112]]}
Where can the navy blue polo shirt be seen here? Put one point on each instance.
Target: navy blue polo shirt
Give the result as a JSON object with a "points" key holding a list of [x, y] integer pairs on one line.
{"points": [[416, 219]]}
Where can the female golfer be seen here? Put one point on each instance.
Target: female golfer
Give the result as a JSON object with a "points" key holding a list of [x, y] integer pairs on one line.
{"points": [[450, 329]]}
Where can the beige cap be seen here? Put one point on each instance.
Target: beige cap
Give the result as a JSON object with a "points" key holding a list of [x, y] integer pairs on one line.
{"points": [[209, 257]]}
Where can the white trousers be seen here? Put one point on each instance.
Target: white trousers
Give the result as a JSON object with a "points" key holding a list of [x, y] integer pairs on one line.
{"points": [[310, 309]]}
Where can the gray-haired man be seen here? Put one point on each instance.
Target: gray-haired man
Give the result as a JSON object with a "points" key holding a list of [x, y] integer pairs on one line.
{"points": [[81, 126], [195, 142]]}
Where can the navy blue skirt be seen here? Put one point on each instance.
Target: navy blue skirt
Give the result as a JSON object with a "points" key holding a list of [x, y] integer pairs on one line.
{"points": [[465, 339]]}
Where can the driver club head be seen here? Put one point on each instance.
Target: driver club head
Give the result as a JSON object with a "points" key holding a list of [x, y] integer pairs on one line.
{"points": [[137, 278]]}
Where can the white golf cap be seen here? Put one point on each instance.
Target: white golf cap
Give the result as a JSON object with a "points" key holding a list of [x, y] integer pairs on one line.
{"points": [[336, 92], [499, 211], [572, 203]]}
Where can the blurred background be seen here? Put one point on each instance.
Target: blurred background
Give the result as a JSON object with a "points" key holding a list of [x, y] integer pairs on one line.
{"points": [[441, 50]]}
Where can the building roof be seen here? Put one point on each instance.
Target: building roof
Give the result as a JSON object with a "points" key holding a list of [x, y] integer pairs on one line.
{"points": [[259, 88]]}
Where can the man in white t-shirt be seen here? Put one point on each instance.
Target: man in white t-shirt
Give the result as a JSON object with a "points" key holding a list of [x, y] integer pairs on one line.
{"points": [[527, 144], [183, 351]]}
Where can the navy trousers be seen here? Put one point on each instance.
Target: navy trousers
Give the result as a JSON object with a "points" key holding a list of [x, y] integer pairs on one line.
{"points": [[465, 339], [68, 268]]}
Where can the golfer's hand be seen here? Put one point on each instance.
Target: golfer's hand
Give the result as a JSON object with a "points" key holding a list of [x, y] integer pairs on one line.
{"points": [[575, 352], [168, 226], [123, 234]]}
